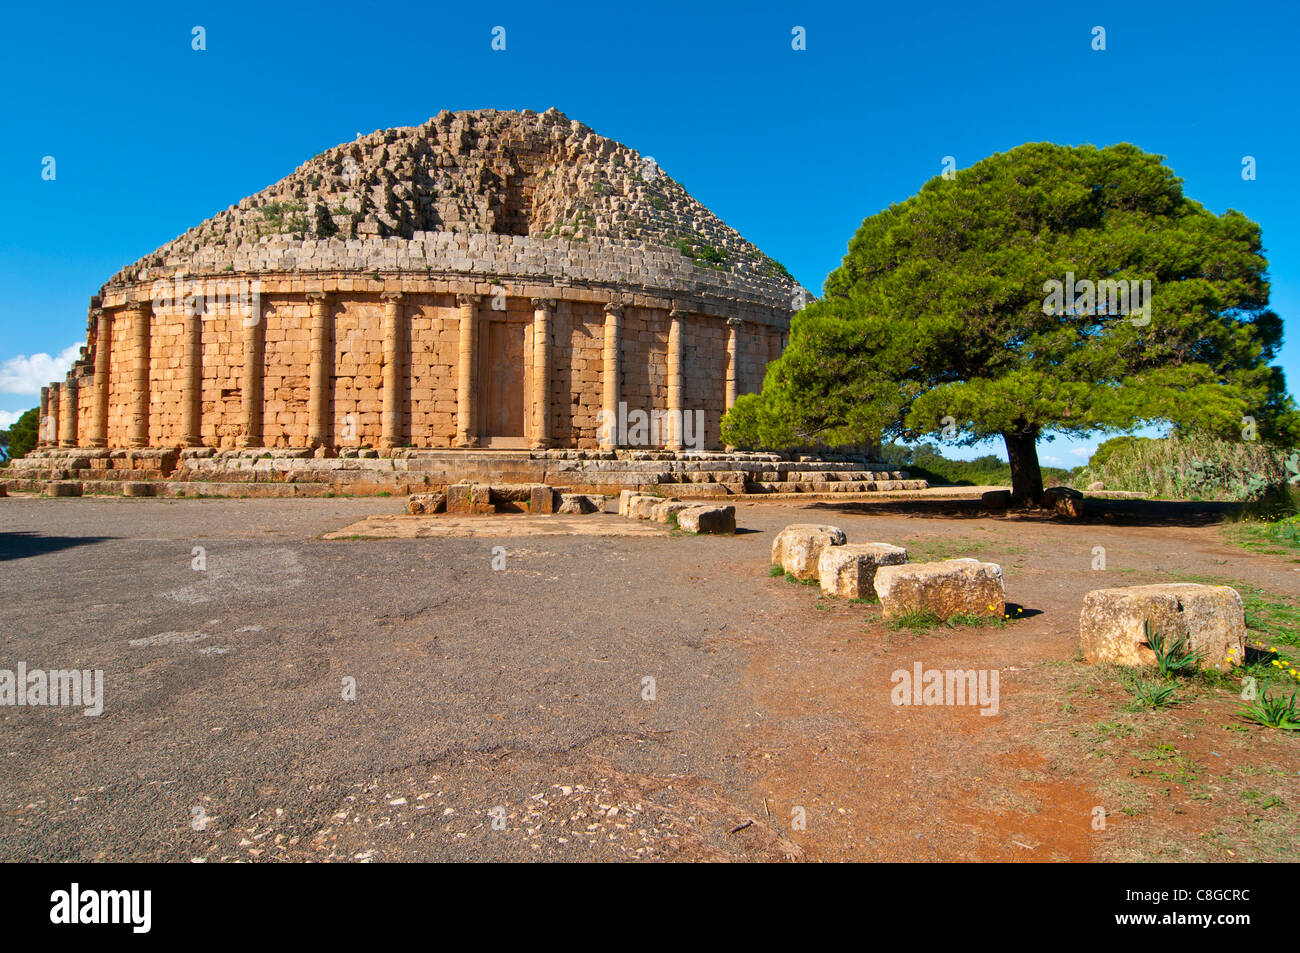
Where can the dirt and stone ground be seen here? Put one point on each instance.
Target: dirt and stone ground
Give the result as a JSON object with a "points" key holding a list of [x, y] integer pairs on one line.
{"points": [[507, 714]]}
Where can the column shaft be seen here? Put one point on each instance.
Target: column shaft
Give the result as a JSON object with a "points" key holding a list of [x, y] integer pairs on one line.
{"points": [[251, 382], [733, 327], [322, 363], [50, 423], [675, 377], [192, 378], [68, 413], [394, 328], [543, 308], [139, 436], [467, 373], [611, 373], [43, 423], [99, 410]]}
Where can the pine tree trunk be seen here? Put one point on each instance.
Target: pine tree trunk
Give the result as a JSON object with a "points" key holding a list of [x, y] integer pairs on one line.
{"points": [[1026, 477]]}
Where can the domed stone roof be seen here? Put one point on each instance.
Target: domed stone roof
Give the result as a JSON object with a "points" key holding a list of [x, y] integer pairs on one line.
{"points": [[498, 195]]}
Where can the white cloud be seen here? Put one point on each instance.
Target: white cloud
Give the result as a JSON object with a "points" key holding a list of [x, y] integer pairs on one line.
{"points": [[27, 375], [9, 417]]}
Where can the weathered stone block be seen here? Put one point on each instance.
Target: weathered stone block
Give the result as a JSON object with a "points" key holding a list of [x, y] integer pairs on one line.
{"points": [[642, 507], [426, 503], [797, 548], [708, 519], [947, 588], [850, 570], [996, 499], [63, 488], [1211, 618], [579, 503], [665, 510], [137, 489], [541, 498], [625, 499], [469, 499]]}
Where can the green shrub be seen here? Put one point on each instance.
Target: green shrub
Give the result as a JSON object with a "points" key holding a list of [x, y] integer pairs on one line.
{"points": [[1195, 466]]}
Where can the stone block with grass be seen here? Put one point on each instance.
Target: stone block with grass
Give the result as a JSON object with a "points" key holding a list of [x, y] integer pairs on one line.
{"points": [[798, 547], [1117, 626], [953, 587], [850, 570], [708, 519]]}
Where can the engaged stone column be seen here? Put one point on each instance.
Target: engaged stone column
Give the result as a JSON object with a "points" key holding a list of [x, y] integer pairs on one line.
{"points": [[675, 377], [43, 425], [251, 381], [68, 413], [50, 422], [733, 327], [391, 423], [543, 308], [322, 361], [99, 410], [611, 372], [139, 435], [192, 376], [467, 372]]}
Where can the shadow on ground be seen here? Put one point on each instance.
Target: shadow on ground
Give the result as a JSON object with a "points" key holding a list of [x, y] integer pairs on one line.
{"points": [[22, 545], [1099, 511]]}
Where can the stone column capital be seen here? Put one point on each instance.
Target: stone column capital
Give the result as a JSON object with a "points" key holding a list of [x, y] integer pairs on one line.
{"points": [[616, 308], [735, 322], [678, 314], [317, 296], [389, 297], [543, 304], [464, 300]]}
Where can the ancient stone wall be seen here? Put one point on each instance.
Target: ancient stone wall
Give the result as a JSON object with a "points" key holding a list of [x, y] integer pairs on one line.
{"points": [[270, 403]]}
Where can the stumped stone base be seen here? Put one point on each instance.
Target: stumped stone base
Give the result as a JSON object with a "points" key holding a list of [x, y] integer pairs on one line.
{"points": [[850, 570], [948, 588], [1211, 618], [798, 547]]}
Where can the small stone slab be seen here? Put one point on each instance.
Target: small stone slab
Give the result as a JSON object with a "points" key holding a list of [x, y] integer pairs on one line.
{"points": [[797, 548], [996, 499], [948, 588], [1211, 618], [63, 488], [708, 519], [137, 488], [849, 571]]}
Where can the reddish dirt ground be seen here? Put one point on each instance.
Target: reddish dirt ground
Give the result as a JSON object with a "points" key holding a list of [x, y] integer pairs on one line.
{"points": [[882, 782]]}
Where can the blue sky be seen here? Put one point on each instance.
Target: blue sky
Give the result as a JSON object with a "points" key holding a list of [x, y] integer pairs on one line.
{"points": [[792, 148]]}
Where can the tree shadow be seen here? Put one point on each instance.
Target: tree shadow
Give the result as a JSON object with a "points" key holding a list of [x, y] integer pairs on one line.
{"points": [[22, 544], [1098, 511]]}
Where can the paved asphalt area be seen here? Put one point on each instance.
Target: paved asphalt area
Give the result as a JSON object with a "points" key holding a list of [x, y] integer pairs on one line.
{"points": [[498, 715]]}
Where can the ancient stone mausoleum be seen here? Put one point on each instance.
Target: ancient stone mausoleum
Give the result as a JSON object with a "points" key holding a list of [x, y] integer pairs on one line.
{"points": [[485, 280]]}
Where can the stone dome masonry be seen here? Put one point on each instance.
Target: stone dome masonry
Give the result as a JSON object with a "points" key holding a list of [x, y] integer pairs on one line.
{"points": [[486, 279]]}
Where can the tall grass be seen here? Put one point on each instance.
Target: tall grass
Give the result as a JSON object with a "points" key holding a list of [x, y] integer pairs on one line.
{"points": [[1193, 467]]}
